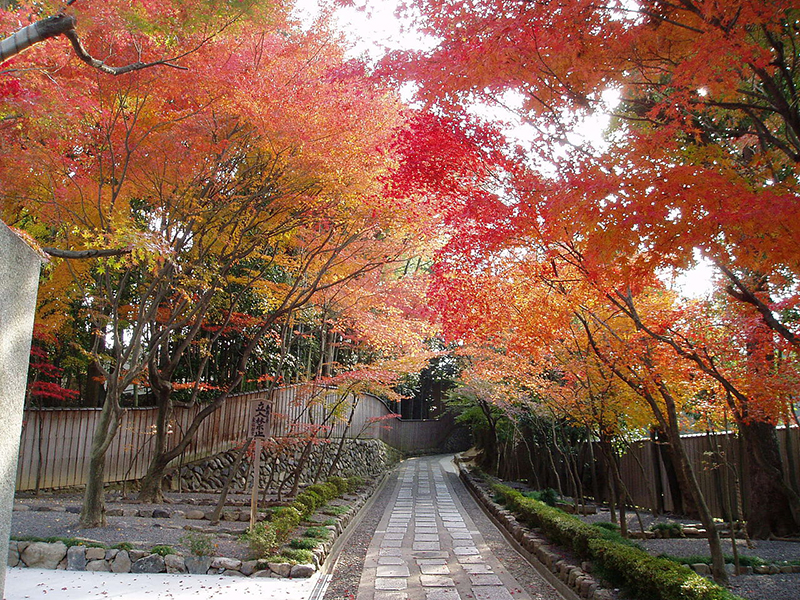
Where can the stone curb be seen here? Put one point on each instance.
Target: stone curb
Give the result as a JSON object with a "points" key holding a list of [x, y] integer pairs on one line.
{"points": [[569, 579], [56, 555]]}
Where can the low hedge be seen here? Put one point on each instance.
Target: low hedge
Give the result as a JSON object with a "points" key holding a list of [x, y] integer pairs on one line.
{"points": [[558, 526], [643, 575]]}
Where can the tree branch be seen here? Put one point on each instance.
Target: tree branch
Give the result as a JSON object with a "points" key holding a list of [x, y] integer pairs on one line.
{"points": [[62, 24], [93, 253]]}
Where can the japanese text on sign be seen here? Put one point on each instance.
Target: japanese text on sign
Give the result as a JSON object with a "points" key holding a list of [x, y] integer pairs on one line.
{"points": [[259, 419]]}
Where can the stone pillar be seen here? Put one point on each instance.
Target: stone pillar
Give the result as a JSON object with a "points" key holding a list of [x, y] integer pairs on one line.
{"points": [[19, 281]]}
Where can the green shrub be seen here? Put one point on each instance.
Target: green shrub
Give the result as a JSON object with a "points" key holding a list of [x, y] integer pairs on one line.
{"points": [[329, 522], [199, 544], [304, 543], [334, 510], [297, 555], [342, 486], [322, 533], [675, 530], [262, 539], [645, 576], [327, 491], [290, 514], [548, 495], [123, 546], [162, 550], [311, 500], [561, 528], [354, 482]]}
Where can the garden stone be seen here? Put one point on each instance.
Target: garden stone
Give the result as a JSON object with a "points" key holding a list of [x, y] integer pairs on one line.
{"points": [[280, 569], [174, 563], [263, 573], [111, 553], [233, 573], [195, 515], [98, 566], [249, 567], [42, 555], [149, 564], [160, 513], [197, 565], [303, 571], [144, 512], [220, 562], [115, 512], [137, 554], [121, 562], [95, 553], [76, 558], [13, 555], [701, 569]]}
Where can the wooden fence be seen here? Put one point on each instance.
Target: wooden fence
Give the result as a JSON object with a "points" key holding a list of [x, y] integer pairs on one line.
{"points": [[718, 460], [55, 443]]}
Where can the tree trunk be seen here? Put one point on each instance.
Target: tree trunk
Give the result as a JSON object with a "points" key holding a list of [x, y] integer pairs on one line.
{"points": [[773, 506], [150, 489], [93, 512]]}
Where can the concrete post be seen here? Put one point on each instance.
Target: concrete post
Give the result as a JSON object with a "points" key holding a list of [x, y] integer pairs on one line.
{"points": [[19, 281]]}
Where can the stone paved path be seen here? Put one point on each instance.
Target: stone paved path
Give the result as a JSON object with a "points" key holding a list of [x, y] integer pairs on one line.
{"points": [[427, 548]]}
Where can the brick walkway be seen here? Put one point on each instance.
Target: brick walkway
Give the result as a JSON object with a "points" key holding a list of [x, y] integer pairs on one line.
{"points": [[427, 548]]}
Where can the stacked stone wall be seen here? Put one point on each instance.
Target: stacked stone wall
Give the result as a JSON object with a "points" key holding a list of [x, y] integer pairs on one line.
{"points": [[363, 458]]}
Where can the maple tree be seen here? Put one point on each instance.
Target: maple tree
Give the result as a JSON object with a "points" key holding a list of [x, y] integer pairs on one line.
{"points": [[253, 176], [701, 160]]}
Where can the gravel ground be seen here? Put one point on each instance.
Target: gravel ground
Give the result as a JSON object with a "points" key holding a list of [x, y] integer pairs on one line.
{"points": [[61, 520]]}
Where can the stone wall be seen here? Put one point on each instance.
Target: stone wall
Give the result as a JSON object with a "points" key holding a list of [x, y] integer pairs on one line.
{"points": [[363, 458]]}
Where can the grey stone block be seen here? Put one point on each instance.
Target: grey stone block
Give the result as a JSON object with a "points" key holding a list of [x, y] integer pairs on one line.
{"points": [[42, 555], [153, 563], [197, 565], [121, 563], [76, 558], [302, 571]]}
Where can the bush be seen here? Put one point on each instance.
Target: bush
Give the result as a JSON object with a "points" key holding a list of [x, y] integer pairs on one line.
{"points": [[558, 526], [326, 491], [311, 500], [673, 529], [644, 576], [342, 486], [162, 550], [335, 510], [322, 533], [300, 556], [354, 482], [123, 546], [304, 543], [262, 539], [199, 544], [290, 514], [548, 495]]}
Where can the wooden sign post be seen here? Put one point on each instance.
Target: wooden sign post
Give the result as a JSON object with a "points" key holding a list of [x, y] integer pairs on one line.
{"points": [[260, 413]]}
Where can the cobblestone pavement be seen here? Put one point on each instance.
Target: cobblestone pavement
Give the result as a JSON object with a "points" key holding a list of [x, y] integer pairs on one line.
{"points": [[426, 546]]}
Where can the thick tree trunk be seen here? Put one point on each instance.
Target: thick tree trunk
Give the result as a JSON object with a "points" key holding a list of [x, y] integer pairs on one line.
{"points": [[773, 506]]}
